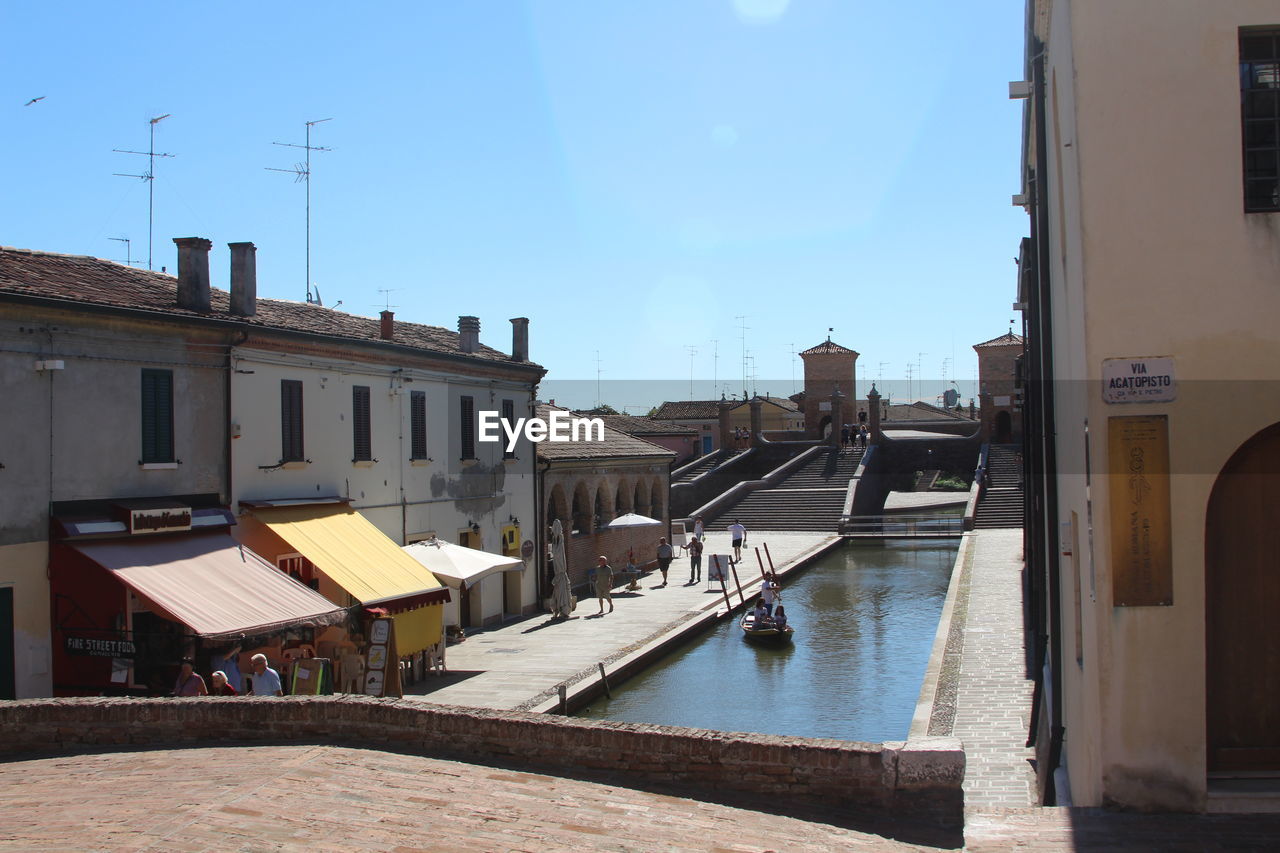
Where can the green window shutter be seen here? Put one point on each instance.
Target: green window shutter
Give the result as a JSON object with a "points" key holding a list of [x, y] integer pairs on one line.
{"points": [[157, 416]]}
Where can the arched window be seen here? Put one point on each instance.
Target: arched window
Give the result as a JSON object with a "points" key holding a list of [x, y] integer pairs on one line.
{"points": [[581, 510]]}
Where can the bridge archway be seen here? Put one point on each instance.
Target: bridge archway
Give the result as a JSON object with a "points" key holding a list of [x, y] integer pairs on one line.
{"points": [[1242, 596], [1003, 428]]}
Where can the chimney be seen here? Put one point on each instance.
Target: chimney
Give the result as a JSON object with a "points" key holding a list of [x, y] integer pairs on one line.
{"points": [[388, 330], [520, 339], [469, 334], [244, 279], [193, 272]]}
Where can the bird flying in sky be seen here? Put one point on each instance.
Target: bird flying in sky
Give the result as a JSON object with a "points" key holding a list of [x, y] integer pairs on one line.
{"points": [[33, 100]]}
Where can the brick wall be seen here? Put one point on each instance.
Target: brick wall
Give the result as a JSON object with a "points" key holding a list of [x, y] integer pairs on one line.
{"points": [[918, 779]]}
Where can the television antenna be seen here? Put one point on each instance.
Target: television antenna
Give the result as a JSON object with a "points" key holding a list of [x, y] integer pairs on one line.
{"points": [[149, 176], [598, 372], [742, 328], [692, 350], [386, 297], [302, 173], [128, 254]]}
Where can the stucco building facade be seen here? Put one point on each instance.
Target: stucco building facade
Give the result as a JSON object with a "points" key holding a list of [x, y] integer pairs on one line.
{"points": [[1152, 438]]}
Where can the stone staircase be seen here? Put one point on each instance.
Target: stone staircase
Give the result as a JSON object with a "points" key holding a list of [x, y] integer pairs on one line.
{"points": [[1001, 504], [704, 465], [809, 499]]}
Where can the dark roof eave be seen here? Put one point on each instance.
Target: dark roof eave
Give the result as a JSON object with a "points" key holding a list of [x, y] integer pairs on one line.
{"points": [[237, 324]]}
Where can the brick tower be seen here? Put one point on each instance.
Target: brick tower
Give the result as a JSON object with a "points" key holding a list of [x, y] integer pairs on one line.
{"points": [[828, 368]]}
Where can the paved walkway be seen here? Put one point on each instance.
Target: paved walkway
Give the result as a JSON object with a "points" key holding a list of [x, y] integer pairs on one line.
{"points": [[924, 500], [518, 665], [326, 798], [993, 697], [323, 798]]}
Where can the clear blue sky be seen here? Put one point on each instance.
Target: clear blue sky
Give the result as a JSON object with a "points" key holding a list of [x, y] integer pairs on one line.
{"points": [[632, 176]]}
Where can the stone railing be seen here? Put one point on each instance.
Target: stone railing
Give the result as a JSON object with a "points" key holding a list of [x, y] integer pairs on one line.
{"points": [[917, 779]]}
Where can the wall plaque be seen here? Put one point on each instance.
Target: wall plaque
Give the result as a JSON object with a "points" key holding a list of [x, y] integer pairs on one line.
{"points": [[1139, 380], [1141, 549]]}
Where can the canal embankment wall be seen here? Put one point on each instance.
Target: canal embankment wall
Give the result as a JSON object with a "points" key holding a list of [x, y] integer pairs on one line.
{"points": [[919, 779]]}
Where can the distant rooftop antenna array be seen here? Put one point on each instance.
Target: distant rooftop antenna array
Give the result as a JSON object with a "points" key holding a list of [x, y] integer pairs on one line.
{"points": [[302, 172], [692, 350], [149, 176]]}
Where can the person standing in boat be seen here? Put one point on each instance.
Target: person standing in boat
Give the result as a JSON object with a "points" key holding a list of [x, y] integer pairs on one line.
{"points": [[768, 593]]}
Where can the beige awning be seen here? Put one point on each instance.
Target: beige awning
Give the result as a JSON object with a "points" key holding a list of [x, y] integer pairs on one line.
{"points": [[212, 584]]}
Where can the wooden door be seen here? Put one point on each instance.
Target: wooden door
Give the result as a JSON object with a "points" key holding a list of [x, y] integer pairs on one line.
{"points": [[8, 687], [1242, 609]]}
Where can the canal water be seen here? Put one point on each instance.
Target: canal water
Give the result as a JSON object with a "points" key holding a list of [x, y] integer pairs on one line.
{"points": [[865, 615]]}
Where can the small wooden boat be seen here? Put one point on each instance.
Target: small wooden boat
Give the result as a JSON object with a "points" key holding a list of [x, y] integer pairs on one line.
{"points": [[765, 632]]}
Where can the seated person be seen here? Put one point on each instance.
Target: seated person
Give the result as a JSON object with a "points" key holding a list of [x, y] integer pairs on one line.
{"points": [[779, 618], [760, 617]]}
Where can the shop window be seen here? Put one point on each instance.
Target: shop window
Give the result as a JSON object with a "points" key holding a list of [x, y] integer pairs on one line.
{"points": [[418, 424], [1260, 115], [467, 431], [362, 450], [300, 569], [291, 421], [157, 416], [508, 418]]}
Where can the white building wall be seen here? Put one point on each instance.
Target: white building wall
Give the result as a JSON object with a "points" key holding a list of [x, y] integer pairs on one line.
{"points": [[406, 499], [1152, 256]]}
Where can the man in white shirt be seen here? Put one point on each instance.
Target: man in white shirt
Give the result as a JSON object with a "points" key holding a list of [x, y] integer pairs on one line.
{"points": [[264, 679], [739, 535]]}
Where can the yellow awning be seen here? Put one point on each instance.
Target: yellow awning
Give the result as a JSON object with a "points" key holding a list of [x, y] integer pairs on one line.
{"points": [[355, 555]]}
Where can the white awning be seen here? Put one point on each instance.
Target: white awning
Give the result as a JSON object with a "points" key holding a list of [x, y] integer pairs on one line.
{"points": [[457, 566]]}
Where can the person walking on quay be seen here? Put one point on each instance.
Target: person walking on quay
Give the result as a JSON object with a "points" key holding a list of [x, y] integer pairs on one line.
{"points": [[264, 680], [665, 556], [604, 583], [699, 532], [695, 559], [738, 534], [219, 686]]}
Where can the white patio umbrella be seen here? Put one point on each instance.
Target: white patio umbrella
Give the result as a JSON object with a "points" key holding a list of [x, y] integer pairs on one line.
{"points": [[632, 520], [456, 566], [561, 597]]}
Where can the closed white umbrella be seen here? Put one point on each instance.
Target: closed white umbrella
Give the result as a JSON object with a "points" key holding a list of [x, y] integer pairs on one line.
{"points": [[561, 596], [457, 566], [632, 519]]}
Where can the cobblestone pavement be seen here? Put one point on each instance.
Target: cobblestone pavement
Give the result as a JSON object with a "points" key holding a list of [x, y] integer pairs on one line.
{"points": [[512, 666], [993, 696]]}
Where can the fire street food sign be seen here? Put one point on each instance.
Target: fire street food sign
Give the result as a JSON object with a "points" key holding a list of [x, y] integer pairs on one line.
{"points": [[100, 648], [1138, 380]]}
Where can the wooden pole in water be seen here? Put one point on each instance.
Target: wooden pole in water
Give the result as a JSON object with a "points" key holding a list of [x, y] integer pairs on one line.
{"points": [[604, 680], [770, 556], [737, 582], [564, 699], [763, 576]]}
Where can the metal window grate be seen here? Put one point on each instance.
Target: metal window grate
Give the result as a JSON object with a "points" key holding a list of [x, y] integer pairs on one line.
{"points": [[362, 441], [418, 424], [1260, 115], [509, 418], [291, 449], [467, 427]]}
